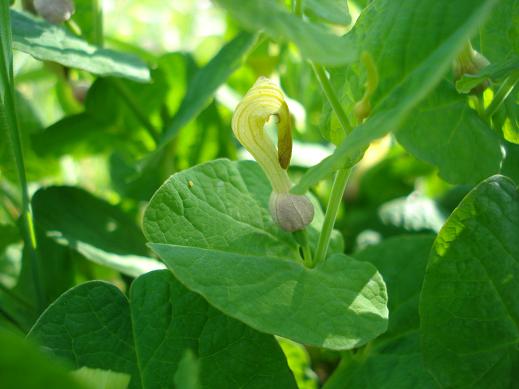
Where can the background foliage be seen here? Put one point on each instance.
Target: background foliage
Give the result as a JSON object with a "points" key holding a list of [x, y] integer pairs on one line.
{"points": [[136, 246]]}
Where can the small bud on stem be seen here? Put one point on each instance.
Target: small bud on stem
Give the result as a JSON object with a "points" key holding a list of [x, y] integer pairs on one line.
{"points": [[469, 61], [54, 11]]}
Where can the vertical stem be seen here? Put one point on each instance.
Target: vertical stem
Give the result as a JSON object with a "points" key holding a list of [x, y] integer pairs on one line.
{"points": [[9, 122], [342, 175], [297, 7], [502, 93], [339, 185], [332, 98], [98, 23]]}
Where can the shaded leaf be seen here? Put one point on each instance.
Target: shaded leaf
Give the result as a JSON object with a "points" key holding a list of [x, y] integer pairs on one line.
{"points": [[334, 11], [468, 306], [22, 365], [96, 229]]}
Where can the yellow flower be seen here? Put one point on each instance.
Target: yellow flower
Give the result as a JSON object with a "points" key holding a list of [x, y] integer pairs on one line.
{"points": [[263, 101]]}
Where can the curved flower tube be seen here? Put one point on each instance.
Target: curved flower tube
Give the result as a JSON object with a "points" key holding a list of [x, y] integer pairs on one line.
{"points": [[263, 101]]}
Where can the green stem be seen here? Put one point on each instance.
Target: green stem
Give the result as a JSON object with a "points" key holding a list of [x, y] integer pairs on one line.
{"points": [[339, 184], [332, 98], [9, 120], [297, 7], [342, 175], [98, 23], [502, 93]]}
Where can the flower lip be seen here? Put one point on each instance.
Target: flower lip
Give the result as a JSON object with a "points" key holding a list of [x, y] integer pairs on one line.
{"points": [[262, 102]]}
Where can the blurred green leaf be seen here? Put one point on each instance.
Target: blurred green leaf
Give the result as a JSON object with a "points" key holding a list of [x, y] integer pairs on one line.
{"points": [[206, 81], [22, 365], [468, 306], [101, 379], [510, 165], [334, 11], [89, 18], [314, 42], [300, 364], [499, 36], [187, 375], [424, 72], [94, 325], [48, 42], [412, 213], [96, 229]]}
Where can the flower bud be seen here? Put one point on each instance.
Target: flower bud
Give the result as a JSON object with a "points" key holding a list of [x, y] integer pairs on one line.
{"points": [[54, 11], [362, 108], [469, 61], [291, 212]]}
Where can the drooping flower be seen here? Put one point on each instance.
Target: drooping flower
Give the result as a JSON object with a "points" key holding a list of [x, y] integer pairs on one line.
{"points": [[263, 101]]}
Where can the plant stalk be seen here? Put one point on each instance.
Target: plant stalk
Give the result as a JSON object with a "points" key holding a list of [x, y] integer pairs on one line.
{"points": [[339, 185], [331, 97], [297, 7], [502, 93], [10, 121], [342, 175]]}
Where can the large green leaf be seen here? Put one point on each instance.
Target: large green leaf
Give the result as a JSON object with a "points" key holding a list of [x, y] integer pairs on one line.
{"points": [[94, 325], [211, 226], [402, 87], [314, 42], [469, 308], [445, 131], [22, 365], [98, 230], [220, 205], [49, 42], [393, 360]]}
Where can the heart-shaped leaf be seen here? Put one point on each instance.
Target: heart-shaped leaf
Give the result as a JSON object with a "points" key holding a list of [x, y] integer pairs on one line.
{"points": [[469, 308], [211, 226], [94, 325]]}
